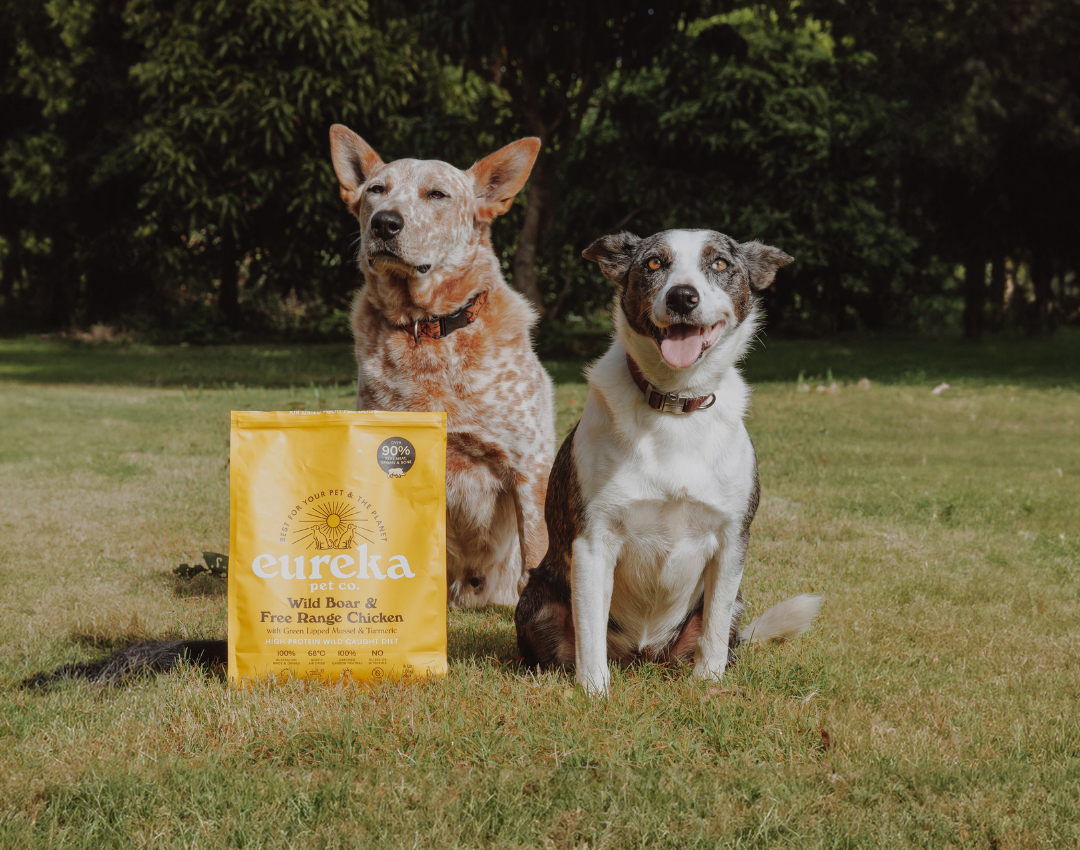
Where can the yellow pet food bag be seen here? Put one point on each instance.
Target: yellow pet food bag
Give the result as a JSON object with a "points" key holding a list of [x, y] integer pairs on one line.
{"points": [[337, 560]]}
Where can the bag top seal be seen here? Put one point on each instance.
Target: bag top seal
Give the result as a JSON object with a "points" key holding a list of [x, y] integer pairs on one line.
{"points": [[301, 418]]}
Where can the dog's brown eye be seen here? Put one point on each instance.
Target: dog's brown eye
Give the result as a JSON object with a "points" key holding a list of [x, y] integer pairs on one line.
{"points": [[654, 264], [436, 195], [377, 190], [719, 265]]}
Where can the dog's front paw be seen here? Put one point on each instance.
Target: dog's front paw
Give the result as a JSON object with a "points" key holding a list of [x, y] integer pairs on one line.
{"points": [[594, 682], [710, 672]]}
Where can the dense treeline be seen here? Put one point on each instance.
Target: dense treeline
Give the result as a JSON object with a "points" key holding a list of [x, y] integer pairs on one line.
{"points": [[164, 163]]}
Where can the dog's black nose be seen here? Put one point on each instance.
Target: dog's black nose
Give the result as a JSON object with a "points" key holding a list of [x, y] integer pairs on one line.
{"points": [[682, 298], [386, 224]]}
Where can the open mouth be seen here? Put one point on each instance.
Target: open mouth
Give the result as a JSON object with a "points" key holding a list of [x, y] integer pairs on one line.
{"points": [[682, 345]]}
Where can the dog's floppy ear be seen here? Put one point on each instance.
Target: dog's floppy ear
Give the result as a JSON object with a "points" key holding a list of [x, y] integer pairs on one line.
{"points": [[763, 261], [354, 160], [500, 176], [613, 253]]}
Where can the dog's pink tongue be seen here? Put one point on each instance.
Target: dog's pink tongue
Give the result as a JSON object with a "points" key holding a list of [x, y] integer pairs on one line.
{"points": [[682, 345]]}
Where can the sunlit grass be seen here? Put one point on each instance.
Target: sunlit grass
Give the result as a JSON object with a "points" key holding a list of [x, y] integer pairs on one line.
{"points": [[933, 704]]}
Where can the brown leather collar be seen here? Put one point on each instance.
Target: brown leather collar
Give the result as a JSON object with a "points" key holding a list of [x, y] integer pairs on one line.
{"points": [[667, 402], [441, 326]]}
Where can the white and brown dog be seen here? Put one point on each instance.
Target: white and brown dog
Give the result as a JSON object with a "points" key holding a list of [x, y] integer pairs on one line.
{"points": [[652, 495], [437, 328]]}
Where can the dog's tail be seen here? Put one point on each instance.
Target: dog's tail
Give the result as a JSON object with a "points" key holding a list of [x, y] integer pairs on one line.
{"points": [[144, 659], [785, 620]]}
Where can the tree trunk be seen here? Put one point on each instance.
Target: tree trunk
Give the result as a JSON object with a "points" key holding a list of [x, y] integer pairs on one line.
{"points": [[229, 293], [10, 273], [537, 215], [1040, 282], [63, 284], [974, 295]]}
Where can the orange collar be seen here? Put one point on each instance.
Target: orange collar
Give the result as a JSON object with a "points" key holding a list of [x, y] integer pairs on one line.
{"points": [[667, 402]]}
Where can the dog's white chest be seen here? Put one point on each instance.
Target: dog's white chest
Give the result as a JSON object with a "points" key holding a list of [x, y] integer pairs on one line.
{"points": [[659, 570]]}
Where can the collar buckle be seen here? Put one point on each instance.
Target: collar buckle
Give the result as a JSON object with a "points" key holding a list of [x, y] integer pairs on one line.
{"points": [[674, 403]]}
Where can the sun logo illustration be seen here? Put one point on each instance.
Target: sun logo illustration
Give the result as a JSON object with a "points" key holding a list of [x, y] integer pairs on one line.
{"points": [[331, 526]]}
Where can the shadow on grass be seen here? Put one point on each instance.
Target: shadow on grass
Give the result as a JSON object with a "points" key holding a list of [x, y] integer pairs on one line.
{"points": [[886, 358], [488, 634], [910, 359], [37, 361], [111, 636], [198, 587], [483, 634]]}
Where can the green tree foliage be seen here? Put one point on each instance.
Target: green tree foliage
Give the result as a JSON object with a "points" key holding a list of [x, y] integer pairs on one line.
{"points": [[166, 160], [69, 218], [986, 151], [746, 125]]}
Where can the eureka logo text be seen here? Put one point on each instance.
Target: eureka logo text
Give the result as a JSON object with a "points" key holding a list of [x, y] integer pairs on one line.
{"points": [[340, 566]]}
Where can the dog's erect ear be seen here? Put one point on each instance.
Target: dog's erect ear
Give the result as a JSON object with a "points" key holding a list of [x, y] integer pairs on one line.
{"points": [[613, 253], [500, 176], [354, 160], [763, 261]]}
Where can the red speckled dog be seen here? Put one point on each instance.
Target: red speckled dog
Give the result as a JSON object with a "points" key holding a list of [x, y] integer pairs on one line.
{"points": [[437, 328]]}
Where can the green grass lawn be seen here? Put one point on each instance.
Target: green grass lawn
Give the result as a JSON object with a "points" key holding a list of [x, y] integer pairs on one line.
{"points": [[934, 704]]}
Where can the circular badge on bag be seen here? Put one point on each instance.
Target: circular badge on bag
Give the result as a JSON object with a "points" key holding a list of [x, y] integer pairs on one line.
{"points": [[396, 456]]}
